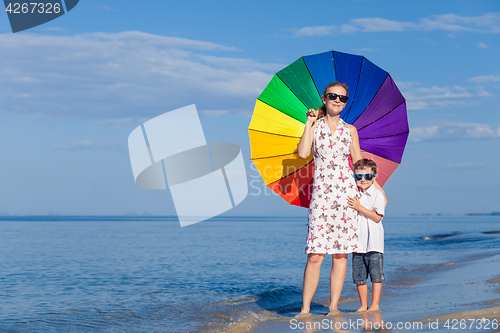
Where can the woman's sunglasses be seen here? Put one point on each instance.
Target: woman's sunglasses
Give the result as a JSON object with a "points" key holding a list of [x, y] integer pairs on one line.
{"points": [[333, 97], [359, 176]]}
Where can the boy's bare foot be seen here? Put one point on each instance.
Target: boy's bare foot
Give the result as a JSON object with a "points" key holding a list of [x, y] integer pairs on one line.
{"points": [[374, 309], [303, 315]]}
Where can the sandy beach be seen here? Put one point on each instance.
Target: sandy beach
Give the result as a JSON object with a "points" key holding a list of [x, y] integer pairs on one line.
{"points": [[455, 296]]}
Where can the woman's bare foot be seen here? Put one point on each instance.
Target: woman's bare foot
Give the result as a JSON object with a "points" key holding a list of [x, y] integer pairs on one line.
{"points": [[362, 309], [333, 312], [373, 309]]}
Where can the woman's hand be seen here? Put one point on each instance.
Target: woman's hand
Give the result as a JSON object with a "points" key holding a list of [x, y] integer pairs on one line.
{"points": [[312, 115], [306, 141], [354, 203]]}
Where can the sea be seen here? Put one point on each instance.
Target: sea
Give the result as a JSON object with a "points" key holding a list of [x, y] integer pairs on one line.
{"points": [[147, 274]]}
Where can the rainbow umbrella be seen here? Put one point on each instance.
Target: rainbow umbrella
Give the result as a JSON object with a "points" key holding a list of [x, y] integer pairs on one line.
{"points": [[375, 106]]}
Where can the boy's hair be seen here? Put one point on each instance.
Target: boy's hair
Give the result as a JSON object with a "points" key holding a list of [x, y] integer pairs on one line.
{"points": [[363, 163]]}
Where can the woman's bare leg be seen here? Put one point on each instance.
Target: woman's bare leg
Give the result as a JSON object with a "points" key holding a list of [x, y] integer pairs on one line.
{"points": [[337, 278], [311, 279]]}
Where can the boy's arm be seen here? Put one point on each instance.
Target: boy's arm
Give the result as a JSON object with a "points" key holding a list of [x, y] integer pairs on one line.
{"points": [[372, 215]]}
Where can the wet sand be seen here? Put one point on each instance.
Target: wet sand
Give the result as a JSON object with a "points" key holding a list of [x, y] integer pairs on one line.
{"points": [[417, 299]]}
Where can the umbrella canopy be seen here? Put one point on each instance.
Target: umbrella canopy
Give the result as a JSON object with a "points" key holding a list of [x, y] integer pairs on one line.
{"points": [[375, 106]]}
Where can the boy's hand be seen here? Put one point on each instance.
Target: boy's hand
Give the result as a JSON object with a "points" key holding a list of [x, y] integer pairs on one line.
{"points": [[354, 203]]}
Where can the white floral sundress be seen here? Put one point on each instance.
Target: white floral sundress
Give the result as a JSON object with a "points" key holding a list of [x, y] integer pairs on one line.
{"points": [[332, 223]]}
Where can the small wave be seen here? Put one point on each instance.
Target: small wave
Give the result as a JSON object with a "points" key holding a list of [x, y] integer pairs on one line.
{"points": [[243, 321], [455, 233], [272, 298], [279, 294], [239, 300], [485, 239], [243, 313], [492, 232]]}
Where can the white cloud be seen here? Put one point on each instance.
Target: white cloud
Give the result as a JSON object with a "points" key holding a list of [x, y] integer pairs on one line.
{"points": [[441, 22], [485, 78], [348, 29], [451, 131], [127, 75], [380, 25], [422, 98], [316, 31], [137, 38], [482, 46], [487, 23]]}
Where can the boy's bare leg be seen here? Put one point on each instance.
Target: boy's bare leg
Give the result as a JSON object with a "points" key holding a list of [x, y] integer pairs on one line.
{"points": [[337, 278], [377, 291], [311, 279], [363, 297]]}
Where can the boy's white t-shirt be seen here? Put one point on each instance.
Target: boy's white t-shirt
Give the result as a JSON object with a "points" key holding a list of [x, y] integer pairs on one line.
{"points": [[371, 233]]}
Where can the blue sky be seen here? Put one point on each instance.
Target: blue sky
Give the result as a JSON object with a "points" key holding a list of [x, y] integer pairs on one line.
{"points": [[73, 89]]}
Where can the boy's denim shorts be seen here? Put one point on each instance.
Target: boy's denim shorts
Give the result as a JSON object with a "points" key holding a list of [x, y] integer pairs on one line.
{"points": [[364, 263]]}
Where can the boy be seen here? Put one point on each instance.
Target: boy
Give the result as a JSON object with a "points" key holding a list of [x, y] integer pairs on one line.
{"points": [[368, 258]]}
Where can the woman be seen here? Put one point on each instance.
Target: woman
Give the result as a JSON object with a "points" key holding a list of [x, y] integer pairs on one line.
{"points": [[332, 223]]}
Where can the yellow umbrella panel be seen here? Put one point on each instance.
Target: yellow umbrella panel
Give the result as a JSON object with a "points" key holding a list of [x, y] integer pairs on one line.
{"points": [[274, 137]]}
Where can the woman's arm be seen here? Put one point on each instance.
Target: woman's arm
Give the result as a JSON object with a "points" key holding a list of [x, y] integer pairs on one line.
{"points": [[355, 149], [356, 154], [371, 214], [381, 190], [305, 143]]}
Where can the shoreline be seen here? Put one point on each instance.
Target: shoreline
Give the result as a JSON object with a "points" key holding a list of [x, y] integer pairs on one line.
{"points": [[472, 319], [422, 295]]}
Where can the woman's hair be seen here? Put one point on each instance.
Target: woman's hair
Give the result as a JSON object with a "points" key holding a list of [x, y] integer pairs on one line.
{"points": [[322, 108], [362, 163]]}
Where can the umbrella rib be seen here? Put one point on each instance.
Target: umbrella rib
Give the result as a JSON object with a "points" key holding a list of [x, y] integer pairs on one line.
{"points": [[360, 128], [271, 156], [268, 103], [277, 74], [298, 195], [312, 79], [334, 66], [286, 136], [354, 94], [281, 110], [311, 161], [372, 97], [385, 136], [385, 158]]}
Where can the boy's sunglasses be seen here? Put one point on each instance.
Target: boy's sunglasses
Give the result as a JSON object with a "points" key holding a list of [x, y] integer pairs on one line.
{"points": [[333, 97], [359, 176]]}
